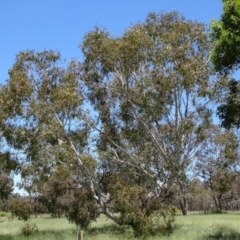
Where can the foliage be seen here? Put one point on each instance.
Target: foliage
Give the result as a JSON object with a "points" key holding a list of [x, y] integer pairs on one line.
{"points": [[63, 196], [147, 216], [3, 214], [21, 208], [7, 165], [6, 186], [225, 57], [28, 229], [228, 111], [217, 163], [226, 52], [80, 208]]}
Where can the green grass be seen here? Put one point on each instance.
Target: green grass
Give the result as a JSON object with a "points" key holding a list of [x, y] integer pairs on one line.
{"points": [[3, 214], [49, 228], [191, 227]]}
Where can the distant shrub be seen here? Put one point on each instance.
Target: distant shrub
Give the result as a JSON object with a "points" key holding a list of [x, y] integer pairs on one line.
{"points": [[222, 231], [159, 222], [3, 214], [21, 208], [29, 229], [217, 211]]}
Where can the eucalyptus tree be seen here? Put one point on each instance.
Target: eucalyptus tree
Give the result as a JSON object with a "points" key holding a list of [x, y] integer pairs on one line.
{"points": [[127, 122], [150, 91]]}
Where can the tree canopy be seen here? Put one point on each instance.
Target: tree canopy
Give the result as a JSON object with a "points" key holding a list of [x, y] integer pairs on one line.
{"points": [[226, 52], [8, 164], [225, 57]]}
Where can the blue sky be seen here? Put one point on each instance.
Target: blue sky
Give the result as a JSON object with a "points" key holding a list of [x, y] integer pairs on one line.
{"points": [[61, 24]]}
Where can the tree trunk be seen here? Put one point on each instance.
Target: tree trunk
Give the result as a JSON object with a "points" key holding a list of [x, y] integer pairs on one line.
{"points": [[79, 233], [220, 203], [183, 205]]}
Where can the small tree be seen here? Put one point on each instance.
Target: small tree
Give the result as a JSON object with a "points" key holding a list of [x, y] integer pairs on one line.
{"points": [[66, 195], [6, 186], [217, 163], [21, 207]]}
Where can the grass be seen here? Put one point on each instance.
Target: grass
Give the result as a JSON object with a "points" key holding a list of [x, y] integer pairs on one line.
{"points": [[49, 228], [3, 214], [191, 227]]}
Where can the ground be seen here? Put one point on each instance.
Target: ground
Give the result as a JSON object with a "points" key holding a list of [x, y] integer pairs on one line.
{"points": [[195, 226]]}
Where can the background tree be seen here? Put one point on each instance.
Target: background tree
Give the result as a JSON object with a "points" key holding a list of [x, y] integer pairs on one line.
{"points": [[235, 194], [217, 163], [228, 111], [225, 57], [226, 51], [21, 207], [200, 197]]}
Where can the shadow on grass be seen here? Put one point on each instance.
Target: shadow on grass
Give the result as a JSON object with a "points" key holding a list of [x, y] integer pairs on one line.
{"points": [[44, 234], [223, 233], [6, 237], [110, 229], [204, 213]]}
